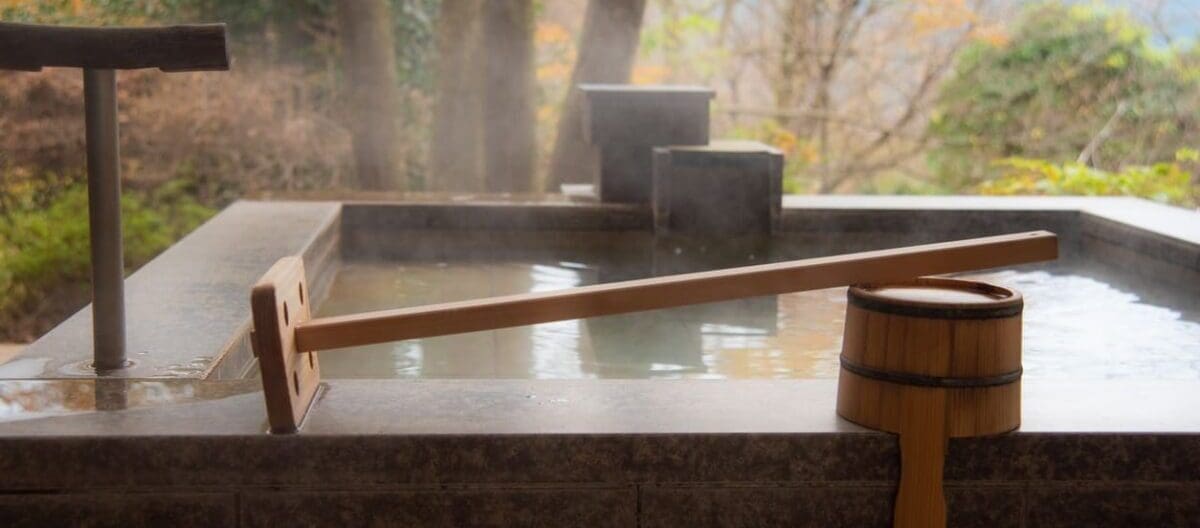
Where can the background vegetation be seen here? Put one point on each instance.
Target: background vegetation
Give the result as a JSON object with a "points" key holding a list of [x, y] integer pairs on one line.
{"points": [[325, 96]]}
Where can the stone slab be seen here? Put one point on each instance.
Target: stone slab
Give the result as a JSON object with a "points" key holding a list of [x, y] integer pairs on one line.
{"points": [[187, 509], [368, 433], [451, 508], [1114, 505], [1173, 222], [186, 309], [728, 187], [586, 407], [849, 506], [380, 216], [645, 115]]}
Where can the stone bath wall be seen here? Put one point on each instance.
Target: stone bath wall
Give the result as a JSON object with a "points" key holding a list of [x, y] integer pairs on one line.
{"points": [[750, 480], [586, 452], [589, 453]]}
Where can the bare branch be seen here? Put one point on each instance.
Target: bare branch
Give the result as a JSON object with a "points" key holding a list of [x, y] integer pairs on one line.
{"points": [[1089, 152]]}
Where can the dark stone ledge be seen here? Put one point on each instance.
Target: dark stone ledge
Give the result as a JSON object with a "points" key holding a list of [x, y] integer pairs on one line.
{"points": [[118, 509], [492, 507], [391, 433], [357, 462]]}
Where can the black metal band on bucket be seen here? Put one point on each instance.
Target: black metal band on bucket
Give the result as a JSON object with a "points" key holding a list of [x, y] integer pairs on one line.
{"points": [[921, 380], [934, 312]]}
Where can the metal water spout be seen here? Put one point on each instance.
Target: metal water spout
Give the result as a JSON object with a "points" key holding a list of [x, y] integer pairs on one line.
{"points": [[100, 52]]}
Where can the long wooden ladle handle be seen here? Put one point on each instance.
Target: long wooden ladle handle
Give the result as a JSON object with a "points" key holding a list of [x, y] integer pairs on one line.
{"points": [[676, 290]]}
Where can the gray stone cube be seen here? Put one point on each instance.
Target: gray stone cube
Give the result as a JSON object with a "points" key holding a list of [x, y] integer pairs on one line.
{"points": [[727, 187], [625, 114]]}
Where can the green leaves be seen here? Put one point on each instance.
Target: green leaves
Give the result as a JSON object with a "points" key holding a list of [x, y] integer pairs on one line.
{"points": [[1167, 182], [1053, 89], [44, 244]]}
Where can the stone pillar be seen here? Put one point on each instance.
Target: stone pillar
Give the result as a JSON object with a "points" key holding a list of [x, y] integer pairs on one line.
{"points": [[625, 122], [728, 187]]}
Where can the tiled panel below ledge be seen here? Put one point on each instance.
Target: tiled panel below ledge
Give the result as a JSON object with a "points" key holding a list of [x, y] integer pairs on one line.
{"points": [[491, 507], [699, 505], [1113, 505], [832, 506], [182, 509]]}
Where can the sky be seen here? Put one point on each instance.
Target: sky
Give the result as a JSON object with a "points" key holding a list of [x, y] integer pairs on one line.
{"points": [[1178, 18]]}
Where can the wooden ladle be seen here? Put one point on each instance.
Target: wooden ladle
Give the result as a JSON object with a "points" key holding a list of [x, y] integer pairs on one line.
{"points": [[286, 339]]}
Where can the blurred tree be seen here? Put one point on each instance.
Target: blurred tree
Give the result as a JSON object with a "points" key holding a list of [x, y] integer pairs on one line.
{"points": [[193, 142], [685, 41], [457, 133], [848, 84], [1076, 83], [508, 106], [284, 51], [371, 91], [606, 51]]}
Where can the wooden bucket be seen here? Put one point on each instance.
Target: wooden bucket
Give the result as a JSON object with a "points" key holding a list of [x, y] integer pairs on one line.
{"points": [[930, 359]]}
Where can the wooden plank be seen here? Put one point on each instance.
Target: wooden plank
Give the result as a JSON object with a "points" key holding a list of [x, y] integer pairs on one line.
{"points": [[31, 47], [678, 290], [290, 379]]}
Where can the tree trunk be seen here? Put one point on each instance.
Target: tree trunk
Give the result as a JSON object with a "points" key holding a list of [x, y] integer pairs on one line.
{"points": [[365, 33], [508, 108], [606, 53], [457, 125], [790, 73]]}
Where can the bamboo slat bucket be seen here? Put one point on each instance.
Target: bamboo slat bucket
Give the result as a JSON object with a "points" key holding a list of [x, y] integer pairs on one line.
{"points": [[930, 359]]}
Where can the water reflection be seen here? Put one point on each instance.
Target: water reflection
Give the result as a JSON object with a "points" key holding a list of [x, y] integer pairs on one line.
{"points": [[547, 342], [25, 399], [1079, 327], [756, 337]]}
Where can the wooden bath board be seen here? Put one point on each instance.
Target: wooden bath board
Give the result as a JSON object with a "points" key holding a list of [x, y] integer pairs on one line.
{"points": [[286, 339]]}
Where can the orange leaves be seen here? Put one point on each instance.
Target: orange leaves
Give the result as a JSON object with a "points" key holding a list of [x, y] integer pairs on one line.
{"points": [[549, 33], [934, 16], [993, 35], [555, 52], [554, 71], [931, 16], [649, 74]]}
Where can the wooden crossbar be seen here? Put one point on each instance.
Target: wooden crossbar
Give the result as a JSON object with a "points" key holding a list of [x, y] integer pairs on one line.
{"points": [[194, 47], [286, 338]]}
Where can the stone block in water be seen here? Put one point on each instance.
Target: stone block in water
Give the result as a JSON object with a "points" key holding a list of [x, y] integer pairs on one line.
{"points": [[728, 187]]}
